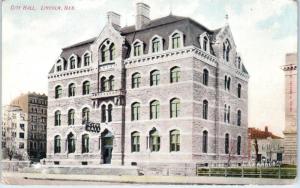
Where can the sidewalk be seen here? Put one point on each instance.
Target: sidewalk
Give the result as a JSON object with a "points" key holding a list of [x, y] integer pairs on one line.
{"points": [[152, 179]]}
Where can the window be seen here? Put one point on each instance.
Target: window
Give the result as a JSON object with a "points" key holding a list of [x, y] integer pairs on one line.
{"points": [[103, 113], [137, 49], [239, 118], [71, 117], [72, 90], [85, 115], [21, 145], [104, 53], [154, 141], [228, 114], [175, 74], [111, 83], [226, 143], [155, 45], [205, 42], [71, 143], [104, 84], [57, 147], [228, 83], [58, 68], [239, 90], [72, 63], [21, 135], [226, 50], [174, 108], [136, 80], [238, 145], [58, 92], [86, 88], [135, 111], [154, 78], [109, 111], [57, 118], [176, 41], [205, 77], [174, 140], [22, 126], [239, 62], [225, 113], [204, 141], [135, 142], [205, 109], [154, 109], [86, 60], [85, 143], [112, 52]]}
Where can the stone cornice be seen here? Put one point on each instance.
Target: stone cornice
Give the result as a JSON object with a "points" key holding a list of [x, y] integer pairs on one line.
{"points": [[70, 73], [289, 67]]}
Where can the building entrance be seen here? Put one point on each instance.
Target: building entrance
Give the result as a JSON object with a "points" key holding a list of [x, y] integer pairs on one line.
{"points": [[107, 147]]}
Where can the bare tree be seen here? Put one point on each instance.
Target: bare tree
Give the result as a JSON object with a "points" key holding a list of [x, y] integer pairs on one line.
{"points": [[256, 151]]}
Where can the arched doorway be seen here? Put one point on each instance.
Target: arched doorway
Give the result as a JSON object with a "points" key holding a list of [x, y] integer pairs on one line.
{"points": [[107, 146]]}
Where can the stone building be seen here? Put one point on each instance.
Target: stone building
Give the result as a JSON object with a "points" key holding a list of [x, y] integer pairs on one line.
{"points": [[167, 92], [34, 105], [290, 130]]}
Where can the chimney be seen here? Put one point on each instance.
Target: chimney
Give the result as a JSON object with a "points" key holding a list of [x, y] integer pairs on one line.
{"points": [[114, 18], [142, 15], [266, 129]]}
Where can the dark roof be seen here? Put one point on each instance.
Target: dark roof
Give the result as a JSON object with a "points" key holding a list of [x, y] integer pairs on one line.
{"points": [[89, 41], [259, 134]]}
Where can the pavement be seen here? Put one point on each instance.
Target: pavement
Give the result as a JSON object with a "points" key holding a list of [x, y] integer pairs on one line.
{"points": [[124, 179]]}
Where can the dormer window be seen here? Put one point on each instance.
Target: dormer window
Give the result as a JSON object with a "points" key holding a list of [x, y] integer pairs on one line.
{"points": [[226, 50], [205, 41], [137, 48], [239, 63], [72, 63], [58, 66], [86, 60], [155, 45], [107, 51], [176, 41]]}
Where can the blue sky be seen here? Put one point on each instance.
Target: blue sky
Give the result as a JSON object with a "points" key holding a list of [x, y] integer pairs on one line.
{"points": [[264, 31]]}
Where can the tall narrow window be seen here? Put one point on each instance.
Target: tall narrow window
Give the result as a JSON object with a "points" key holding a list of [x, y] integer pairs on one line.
{"points": [[71, 117], [205, 109], [72, 63], [154, 109], [228, 83], [224, 51], [239, 62], [225, 83], [86, 60], [155, 45], [205, 41], [174, 140], [71, 143], [86, 88], [176, 41], [112, 52], [111, 84], [135, 111], [238, 145], [154, 141], [154, 78], [72, 90], [104, 54], [103, 84], [226, 143], [205, 77], [57, 145], [85, 115], [225, 113], [109, 112], [227, 53], [85, 143], [103, 113], [135, 142], [137, 49], [57, 118], [239, 118], [136, 80], [174, 108], [174, 74], [204, 141], [58, 92], [239, 90]]}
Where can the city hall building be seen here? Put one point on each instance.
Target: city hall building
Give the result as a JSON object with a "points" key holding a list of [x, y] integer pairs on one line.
{"points": [[161, 93]]}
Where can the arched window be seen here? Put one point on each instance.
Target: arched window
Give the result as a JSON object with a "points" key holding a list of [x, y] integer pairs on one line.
{"points": [[227, 53], [239, 118], [111, 84], [135, 111], [205, 42], [239, 90], [72, 90], [72, 62], [136, 80], [112, 52], [239, 62], [104, 53], [154, 78], [224, 50], [174, 140], [86, 88], [176, 41], [204, 141], [103, 84], [71, 143], [205, 109], [135, 142], [228, 114], [155, 45], [85, 115], [57, 145], [154, 109], [57, 118], [154, 141], [71, 117], [85, 143], [226, 143], [238, 145], [58, 66], [137, 49], [225, 82], [103, 113], [174, 74], [109, 112], [205, 77], [86, 60], [58, 92], [174, 108], [228, 83]]}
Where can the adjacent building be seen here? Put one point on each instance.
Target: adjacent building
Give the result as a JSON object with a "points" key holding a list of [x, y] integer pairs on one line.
{"points": [[290, 130], [162, 93], [34, 105]]}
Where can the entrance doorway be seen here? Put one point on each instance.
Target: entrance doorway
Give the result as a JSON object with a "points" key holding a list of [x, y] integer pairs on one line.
{"points": [[107, 146]]}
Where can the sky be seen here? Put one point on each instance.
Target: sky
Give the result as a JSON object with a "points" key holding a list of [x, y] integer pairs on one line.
{"points": [[263, 30]]}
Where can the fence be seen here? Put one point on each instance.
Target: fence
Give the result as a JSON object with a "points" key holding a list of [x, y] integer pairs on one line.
{"points": [[248, 172]]}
